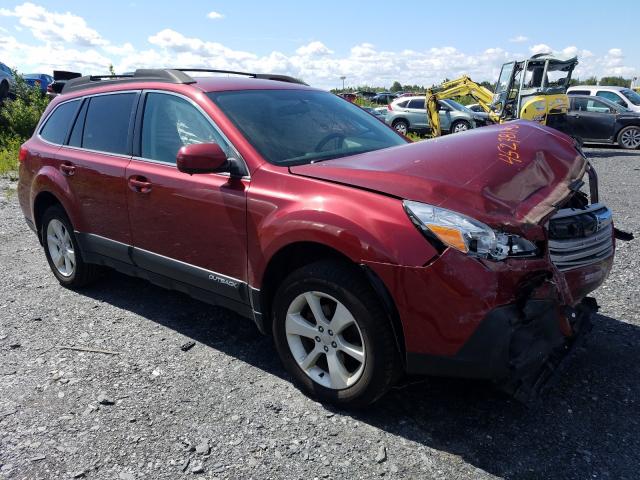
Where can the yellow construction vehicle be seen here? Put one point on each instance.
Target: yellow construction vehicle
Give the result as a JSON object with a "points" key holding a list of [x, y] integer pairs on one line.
{"points": [[533, 89]]}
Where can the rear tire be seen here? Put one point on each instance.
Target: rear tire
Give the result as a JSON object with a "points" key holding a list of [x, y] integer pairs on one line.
{"points": [[314, 354], [629, 138], [401, 126], [62, 250]]}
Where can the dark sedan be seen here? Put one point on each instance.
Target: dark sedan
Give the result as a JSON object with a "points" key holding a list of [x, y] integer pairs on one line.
{"points": [[598, 120]]}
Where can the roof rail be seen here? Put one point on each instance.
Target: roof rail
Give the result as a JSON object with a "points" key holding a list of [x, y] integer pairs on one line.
{"points": [[264, 76], [168, 75]]}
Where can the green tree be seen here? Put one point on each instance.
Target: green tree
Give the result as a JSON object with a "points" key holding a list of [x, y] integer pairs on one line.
{"points": [[396, 87], [111, 69], [615, 81], [19, 116]]}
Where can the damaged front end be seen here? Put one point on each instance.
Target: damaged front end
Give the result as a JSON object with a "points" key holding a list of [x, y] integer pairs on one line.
{"points": [[529, 313]]}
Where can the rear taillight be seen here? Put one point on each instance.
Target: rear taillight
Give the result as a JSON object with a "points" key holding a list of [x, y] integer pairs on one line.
{"points": [[49, 88], [389, 107], [22, 155]]}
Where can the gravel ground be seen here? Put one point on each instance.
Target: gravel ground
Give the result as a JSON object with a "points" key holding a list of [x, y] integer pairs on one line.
{"points": [[225, 407]]}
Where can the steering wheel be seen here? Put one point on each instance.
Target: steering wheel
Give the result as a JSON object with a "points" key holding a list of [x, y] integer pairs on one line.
{"points": [[327, 139]]}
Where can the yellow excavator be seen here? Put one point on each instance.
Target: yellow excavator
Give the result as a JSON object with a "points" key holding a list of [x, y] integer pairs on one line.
{"points": [[533, 89]]}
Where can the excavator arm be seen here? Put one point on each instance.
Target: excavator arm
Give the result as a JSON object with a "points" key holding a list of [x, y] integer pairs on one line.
{"points": [[457, 88]]}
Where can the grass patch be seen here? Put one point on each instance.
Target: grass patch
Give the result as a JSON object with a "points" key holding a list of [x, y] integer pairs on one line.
{"points": [[9, 149]]}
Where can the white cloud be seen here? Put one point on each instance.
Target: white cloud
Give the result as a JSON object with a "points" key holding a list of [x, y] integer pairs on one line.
{"points": [[519, 39], [55, 28], [314, 49], [215, 15], [540, 48]]}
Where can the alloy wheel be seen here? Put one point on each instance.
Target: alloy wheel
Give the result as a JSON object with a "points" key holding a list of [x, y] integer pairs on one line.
{"points": [[631, 138], [401, 127], [325, 340], [460, 127], [61, 248]]}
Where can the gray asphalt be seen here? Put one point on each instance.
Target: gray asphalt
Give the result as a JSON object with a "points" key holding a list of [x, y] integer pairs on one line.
{"points": [[229, 397]]}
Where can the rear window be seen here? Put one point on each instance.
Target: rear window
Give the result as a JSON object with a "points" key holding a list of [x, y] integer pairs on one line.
{"points": [[578, 92], [56, 128], [106, 127]]}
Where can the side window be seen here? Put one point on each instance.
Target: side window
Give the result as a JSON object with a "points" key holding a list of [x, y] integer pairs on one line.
{"points": [[418, 103], [169, 123], [402, 104], [579, 92], [106, 126], [75, 140], [614, 97], [56, 128], [597, 106], [579, 104]]}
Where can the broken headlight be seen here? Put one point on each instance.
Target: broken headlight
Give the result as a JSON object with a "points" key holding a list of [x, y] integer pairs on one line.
{"points": [[465, 233]]}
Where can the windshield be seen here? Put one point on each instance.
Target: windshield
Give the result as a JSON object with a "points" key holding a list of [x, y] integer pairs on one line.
{"points": [[633, 97], [457, 106], [293, 127]]}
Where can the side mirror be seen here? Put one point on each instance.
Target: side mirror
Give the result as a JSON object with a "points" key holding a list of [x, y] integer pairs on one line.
{"points": [[202, 158]]}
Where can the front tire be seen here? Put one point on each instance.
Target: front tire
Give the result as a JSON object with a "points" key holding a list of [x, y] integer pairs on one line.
{"points": [[62, 251], [460, 126], [333, 336], [629, 138]]}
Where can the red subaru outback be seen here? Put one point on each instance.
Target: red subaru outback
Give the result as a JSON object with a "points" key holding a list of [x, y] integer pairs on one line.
{"points": [[364, 255]]}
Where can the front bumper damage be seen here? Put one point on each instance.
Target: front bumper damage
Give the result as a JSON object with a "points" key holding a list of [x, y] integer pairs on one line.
{"points": [[521, 347]]}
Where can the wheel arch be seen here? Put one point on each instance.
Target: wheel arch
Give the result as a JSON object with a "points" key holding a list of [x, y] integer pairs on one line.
{"points": [[298, 254], [41, 203]]}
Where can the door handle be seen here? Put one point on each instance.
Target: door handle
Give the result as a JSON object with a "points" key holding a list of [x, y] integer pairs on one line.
{"points": [[67, 169], [139, 184]]}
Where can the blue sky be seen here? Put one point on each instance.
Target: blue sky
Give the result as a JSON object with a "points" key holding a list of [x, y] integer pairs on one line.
{"points": [[369, 42]]}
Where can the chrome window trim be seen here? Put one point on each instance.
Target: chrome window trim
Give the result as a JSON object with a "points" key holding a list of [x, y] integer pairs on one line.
{"points": [[211, 122]]}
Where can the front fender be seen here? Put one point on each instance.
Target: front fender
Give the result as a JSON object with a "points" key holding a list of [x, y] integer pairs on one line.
{"points": [[361, 225]]}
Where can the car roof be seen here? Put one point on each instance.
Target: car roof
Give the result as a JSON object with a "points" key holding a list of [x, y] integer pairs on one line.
{"points": [[595, 87]]}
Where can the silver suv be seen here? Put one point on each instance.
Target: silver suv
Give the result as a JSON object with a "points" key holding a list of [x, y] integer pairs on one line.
{"points": [[409, 114]]}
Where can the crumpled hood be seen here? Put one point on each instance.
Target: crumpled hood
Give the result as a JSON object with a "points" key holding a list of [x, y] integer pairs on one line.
{"points": [[509, 174]]}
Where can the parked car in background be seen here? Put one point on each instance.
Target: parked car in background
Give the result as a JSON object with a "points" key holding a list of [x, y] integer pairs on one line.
{"points": [[364, 255], [60, 78], [384, 98], [475, 107], [375, 112], [598, 120], [366, 94], [7, 81], [621, 95], [38, 80], [349, 96], [409, 115]]}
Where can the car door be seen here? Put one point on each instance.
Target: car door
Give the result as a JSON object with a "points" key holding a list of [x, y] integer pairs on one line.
{"points": [[592, 119], [417, 114], [444, 111], [190, 228], [94, 159]]}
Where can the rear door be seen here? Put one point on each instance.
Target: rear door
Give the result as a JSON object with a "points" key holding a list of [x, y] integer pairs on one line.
{"points": [[592, 119], [417, 113], [94, 159], [190, 228]]}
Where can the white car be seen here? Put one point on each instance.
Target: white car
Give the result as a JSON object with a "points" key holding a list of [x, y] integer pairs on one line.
{"points": [[620, 95]]}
